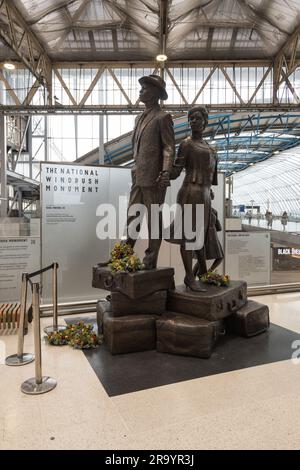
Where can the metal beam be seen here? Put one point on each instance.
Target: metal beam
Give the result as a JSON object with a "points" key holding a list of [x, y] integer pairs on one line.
{"points": [[260, 84], [9, 89], [51, 9], [204, 84], [233, 38], [126, 15], [260, 14], [72, 21], [231, 83], [209, 38], [91, 87], [13, 32], [211, 67], [115, 40], [120, 86], [92, 41], [176, 85], [163, 26], [3, 168], [31, 93], [63, 84], [287, 58], [135, 109]]}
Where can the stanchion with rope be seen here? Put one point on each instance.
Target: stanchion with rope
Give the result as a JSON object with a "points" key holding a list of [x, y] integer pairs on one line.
{"points": [[56, 326], [21, 358], [38, 384]]}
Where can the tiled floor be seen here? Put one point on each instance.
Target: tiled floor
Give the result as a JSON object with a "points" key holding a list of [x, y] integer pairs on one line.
{"points": [[255, 408]]}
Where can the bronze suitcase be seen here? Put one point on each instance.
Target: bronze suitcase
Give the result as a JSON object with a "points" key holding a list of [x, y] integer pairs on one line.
{"points": [[151, 304], [250, 320], [214, 304], [185, 335], [134, 285], [103, 306], [129, 333]]}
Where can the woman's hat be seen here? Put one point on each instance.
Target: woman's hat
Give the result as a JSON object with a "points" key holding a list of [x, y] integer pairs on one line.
{"points": [[158, 82]]}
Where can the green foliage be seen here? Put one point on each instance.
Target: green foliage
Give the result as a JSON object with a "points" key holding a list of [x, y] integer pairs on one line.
{"points": [[212, 277], [78, 335], [123, 259]]}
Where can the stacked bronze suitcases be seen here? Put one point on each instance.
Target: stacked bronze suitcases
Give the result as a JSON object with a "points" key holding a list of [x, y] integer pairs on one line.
{"points": [[145, 311], [128, 319]]}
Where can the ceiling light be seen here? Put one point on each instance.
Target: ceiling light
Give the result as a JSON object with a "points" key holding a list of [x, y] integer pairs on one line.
{"points": [[9, 65], [161, 57]]}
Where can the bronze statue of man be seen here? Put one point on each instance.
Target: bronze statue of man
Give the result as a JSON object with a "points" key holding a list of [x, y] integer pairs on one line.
{"points": [[153, 152]]}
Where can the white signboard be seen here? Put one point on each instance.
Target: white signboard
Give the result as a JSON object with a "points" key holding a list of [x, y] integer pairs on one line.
{"points": [[71, 195], [248, 257], [17, 255]]}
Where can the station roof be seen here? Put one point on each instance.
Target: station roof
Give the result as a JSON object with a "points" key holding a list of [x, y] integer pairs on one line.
{"points": [[240, 139], [130, 30]]}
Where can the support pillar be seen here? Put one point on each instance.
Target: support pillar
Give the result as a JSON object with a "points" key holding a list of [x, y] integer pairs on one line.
{"points": [[101, 139], [29, 146], [3, 168]]}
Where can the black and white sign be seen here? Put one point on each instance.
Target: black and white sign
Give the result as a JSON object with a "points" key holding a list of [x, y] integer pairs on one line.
{"points": [[71, 195], [247, 257], [17, 255]]}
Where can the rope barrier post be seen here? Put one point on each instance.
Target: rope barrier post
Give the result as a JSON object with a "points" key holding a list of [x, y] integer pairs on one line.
{"points": [[56, 326], [38, 384], [54, 289], [21, 358]]}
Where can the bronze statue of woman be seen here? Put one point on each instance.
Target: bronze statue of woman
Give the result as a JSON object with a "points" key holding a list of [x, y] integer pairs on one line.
{"points": [[200, 163]]}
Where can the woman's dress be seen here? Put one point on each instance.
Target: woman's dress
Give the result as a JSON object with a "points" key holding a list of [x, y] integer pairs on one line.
{"points": [[200, 163]]}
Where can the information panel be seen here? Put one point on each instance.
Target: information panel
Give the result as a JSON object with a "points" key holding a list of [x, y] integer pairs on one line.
{"points": [[71, 195], [247, 257], [17, 255]]}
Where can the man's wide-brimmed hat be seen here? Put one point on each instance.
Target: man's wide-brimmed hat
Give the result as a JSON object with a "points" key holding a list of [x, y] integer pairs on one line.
{"points": [[158, 82]]}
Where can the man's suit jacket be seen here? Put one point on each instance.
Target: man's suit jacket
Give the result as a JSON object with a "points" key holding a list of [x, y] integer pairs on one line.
{"points": [[152, 135]]}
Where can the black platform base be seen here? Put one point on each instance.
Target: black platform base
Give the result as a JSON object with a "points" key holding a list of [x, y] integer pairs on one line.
{"points": [[127, 373]]}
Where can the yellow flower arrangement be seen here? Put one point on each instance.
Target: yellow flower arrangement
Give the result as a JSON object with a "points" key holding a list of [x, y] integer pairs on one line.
{"points": [[212, 277], [123, 259]]}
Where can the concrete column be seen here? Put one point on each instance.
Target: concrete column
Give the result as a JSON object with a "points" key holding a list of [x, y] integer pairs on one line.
{"points": [[3, 167]]}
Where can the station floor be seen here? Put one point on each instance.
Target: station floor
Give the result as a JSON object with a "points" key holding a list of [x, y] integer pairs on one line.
{"points": [[252, 408]]}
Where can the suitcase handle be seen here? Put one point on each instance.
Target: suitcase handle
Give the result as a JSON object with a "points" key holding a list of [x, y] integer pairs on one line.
{"points": [[232, 306], [108, 281]]}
